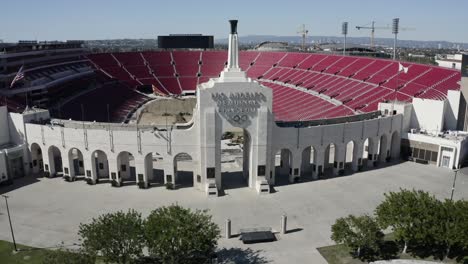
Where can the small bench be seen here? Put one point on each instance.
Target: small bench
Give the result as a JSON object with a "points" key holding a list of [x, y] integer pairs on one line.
{"points": [[256, 235]]}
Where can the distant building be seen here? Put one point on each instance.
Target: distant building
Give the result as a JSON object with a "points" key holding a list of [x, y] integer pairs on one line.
{"points": [[274, 46], [453, 61]]}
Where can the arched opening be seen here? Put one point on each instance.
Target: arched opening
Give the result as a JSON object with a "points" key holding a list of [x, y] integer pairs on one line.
{"points": [[308, 162], [395, 146], [77, 169], [55, 162], [36, 159], [183, 170], [100, 166], [235, 158], [350, 154], [153, 165], [126, 167], [329, 161], [283, 166], [383, 149]]}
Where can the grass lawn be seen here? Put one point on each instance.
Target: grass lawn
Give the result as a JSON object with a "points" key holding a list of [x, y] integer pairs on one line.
{"points": [[340, 254], [24, 255]]}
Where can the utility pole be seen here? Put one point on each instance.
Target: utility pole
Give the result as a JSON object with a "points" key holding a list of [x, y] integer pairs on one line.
{"points": [[9, 219], [453, 186]]}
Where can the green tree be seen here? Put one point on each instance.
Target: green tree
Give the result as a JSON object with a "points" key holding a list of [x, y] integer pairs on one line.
{"points": [[451, 224], [63, 255], [118, 237], [409, 214], [178, 235], [358, 233]]}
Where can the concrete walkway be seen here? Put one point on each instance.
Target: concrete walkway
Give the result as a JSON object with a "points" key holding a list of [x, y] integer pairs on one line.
{"points": [[46, 212]]}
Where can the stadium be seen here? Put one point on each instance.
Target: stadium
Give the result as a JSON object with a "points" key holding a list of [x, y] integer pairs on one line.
{"points": [[193, 117]]}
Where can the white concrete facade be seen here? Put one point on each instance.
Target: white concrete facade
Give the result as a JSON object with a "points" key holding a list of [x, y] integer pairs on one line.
{"points": [[107, 152]]}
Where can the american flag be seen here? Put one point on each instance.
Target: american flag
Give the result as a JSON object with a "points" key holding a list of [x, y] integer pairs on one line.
{"points": [[19, 76]]}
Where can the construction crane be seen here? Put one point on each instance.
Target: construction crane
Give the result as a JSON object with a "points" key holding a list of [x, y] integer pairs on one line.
{"points": [[372, 28], [303, 32]]}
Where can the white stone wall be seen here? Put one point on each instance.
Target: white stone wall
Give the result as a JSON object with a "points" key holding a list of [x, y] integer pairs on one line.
{"points": [[4, 128], [428, 114]]}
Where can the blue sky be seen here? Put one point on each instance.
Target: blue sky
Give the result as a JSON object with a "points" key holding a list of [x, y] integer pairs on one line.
{"points": [[105, 19]]}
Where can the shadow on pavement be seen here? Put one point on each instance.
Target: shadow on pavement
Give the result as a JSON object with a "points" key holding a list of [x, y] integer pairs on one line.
{"points": [[240, 256]]}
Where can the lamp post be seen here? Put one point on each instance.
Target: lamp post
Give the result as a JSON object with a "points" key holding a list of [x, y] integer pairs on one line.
{"points": [[9, 219], [453, 185]]}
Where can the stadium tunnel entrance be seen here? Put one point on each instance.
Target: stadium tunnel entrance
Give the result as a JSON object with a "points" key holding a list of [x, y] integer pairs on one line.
{"points": [[235, 149], [184, 171], [154, 169], [37, 160], [54, 165]]}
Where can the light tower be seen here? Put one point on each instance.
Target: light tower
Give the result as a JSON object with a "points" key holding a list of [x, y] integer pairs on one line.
{"points": [[344, 31], [395, 29]]}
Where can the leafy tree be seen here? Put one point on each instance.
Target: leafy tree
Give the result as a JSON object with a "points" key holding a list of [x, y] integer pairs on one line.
{"points": [[62, 256], [178, 235], [117, 236], [451, 224], [358, 233], [409, 214]]}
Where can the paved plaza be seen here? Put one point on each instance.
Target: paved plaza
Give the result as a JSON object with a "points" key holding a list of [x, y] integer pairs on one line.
{"points": [[46, 212]]}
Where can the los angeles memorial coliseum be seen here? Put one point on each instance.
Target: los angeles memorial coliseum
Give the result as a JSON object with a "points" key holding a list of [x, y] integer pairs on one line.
{"points": [[191, 117]]}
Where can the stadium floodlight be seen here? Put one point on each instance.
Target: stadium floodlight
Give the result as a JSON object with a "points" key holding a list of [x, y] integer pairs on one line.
{"points": [[344, 31], [395, 29]]}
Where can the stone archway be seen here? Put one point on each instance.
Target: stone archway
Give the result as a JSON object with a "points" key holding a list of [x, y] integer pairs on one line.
{"points": [[184, 170], [76, 166], [55, 166], [37, 160], [126, 168], [235, 147], [154, 169], [100, 166], [283, 166]]}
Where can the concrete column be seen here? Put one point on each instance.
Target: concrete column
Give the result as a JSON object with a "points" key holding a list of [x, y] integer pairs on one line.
{"points": [[357, 155], [340, 157], [284, 224], [305, 162], [228, 228], [90, 168], [295, 171], [114, 169], [285, 165], [384, 146], [169, 172], [141, 172], [319, 163], [49, 167], [373, 149], [67, 163]]}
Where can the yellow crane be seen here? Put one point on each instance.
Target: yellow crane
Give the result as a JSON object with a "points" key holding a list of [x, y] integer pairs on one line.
{"points": [[303, 32], [372, 28]]}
